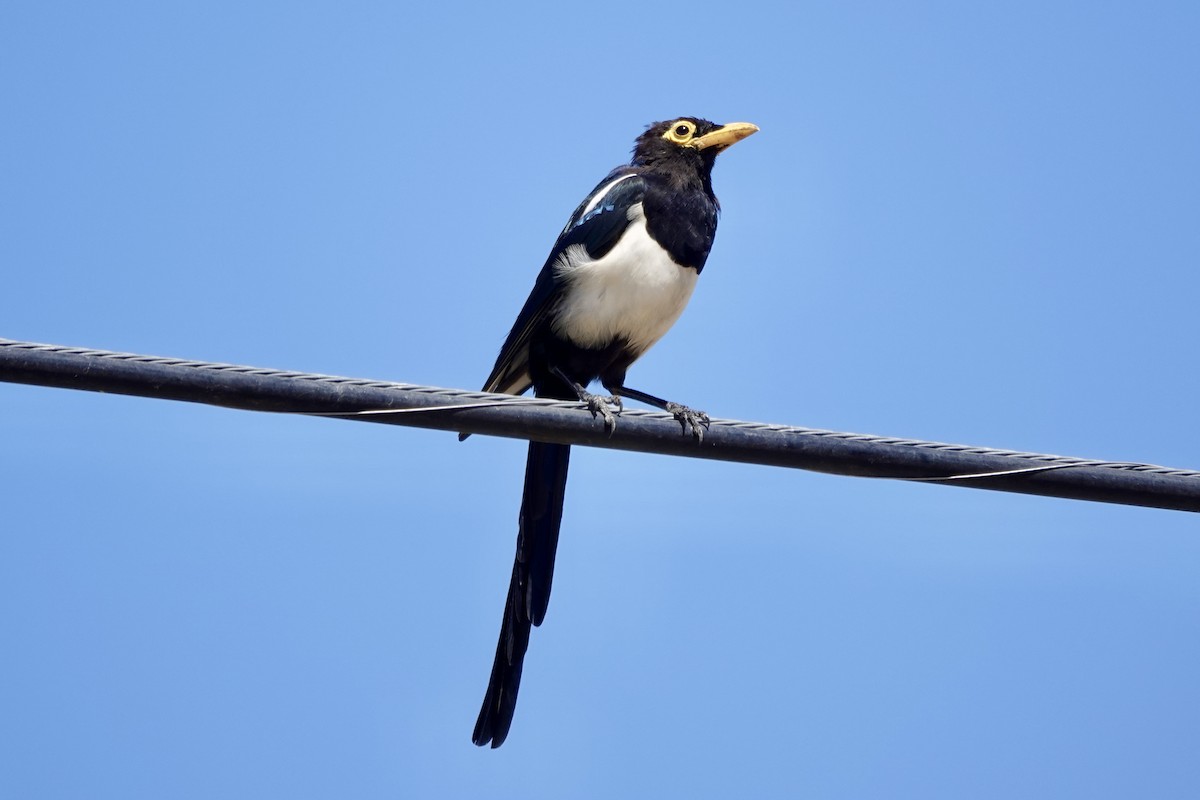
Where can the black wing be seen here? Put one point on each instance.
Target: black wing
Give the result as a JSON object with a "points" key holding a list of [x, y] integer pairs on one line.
{"points": [[597, 225]]}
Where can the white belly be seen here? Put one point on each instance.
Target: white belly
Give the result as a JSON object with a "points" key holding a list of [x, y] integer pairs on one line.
{"points": [[635, 292]]}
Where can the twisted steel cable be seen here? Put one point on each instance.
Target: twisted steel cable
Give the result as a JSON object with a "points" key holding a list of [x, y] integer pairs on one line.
{"points": [[862, 455]]}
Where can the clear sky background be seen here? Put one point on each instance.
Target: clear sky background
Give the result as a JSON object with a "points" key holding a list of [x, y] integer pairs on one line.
{"points": [[969, 224]]}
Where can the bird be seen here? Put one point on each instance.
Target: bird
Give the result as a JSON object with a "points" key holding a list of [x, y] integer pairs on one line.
{"points": [[617, 278]]}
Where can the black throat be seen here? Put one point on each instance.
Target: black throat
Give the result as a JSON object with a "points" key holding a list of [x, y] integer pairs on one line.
{"points": [[681, 209]]}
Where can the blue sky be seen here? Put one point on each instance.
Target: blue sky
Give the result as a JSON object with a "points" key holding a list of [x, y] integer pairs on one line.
{"points": [[969, 224]]}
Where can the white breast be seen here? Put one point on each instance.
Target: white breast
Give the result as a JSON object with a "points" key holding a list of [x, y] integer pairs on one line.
{"points": [[635, 292]]}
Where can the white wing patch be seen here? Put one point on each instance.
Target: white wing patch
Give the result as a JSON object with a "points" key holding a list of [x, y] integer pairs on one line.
{"points": [[596, 198], [635, 292]]}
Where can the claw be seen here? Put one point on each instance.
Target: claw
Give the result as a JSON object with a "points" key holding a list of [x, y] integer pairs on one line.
{"points": [[698, 421], [600, 406]]}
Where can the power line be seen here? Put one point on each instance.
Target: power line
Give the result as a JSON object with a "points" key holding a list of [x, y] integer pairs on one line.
{"points": [[862, 455]]}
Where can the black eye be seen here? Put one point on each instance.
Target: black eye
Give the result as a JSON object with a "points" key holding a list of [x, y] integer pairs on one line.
{"points": [[682, 130]]}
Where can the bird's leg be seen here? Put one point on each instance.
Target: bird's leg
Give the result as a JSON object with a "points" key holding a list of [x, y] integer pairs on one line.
{"points": [[687, 417], [596, 404]]}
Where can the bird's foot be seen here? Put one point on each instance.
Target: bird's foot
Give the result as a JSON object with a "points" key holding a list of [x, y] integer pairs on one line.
{"points": [[696, 420], [603, 407]]}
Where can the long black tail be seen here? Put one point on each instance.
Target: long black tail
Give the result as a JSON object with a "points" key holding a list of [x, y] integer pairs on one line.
{"points": [[529, 591]]}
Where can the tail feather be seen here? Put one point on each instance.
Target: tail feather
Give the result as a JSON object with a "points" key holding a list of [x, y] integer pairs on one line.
{"points": [[529, 589]]}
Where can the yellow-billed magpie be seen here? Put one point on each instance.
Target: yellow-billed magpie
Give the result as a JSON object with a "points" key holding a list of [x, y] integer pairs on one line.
{"points": [[618, 277]]}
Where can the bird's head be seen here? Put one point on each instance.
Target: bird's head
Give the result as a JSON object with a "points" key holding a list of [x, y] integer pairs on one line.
{"points": [[688, 140]]}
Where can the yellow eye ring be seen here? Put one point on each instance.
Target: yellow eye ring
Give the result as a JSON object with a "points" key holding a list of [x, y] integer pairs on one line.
{"points": [[680, 132]]}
